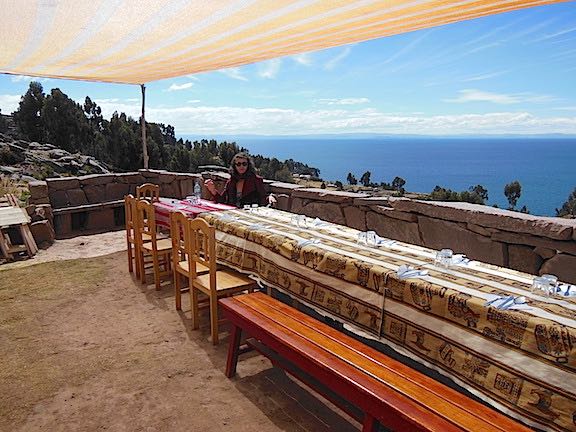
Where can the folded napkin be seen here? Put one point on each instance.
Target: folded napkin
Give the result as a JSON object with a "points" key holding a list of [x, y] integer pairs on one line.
{"points": [[303, 243], [407, 272], [566, 290], [460, 259], [381, 241], [507, 302], [317, 222], [258, 226]]}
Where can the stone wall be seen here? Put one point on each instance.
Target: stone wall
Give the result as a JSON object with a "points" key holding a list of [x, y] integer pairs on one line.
{"points": [[524, 242], [95, 203]]}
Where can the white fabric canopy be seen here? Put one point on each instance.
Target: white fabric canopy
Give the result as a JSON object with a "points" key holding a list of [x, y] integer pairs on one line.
{"points": [[137, 41]]}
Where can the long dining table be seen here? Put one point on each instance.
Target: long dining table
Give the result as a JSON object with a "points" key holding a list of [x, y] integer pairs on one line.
{"points": [[521, 359], [164, 206]]}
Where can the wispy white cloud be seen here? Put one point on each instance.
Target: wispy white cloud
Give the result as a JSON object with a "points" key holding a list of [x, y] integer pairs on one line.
{"points": [[407, 48], [9, 103], [26, 78], [473, 95], [193, 77], [279, 121], [555, 34], [234, 73], [303, 59], [269, 69], [483, 77], [345, 101], [193, 101], [333, 62], [566, 108], [178, 87]]}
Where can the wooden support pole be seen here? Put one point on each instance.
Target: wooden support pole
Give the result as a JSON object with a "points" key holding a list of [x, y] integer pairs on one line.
{"points": [[143, 126]]}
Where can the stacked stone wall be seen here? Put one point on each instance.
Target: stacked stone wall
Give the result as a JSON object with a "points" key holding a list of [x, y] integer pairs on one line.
{"points": [[524, 242], [531, 244]]}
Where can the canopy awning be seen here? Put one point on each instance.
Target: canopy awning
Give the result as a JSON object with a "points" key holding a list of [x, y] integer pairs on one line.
{"points": [[137, 41]]}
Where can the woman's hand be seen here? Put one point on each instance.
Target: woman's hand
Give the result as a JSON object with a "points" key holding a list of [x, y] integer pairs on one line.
{"points": [[211, 186]]}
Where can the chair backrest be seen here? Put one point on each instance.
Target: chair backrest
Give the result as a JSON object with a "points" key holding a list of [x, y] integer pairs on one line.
{"points": [[180, 235], [12, 200], [129, 210], [145, 223], [148, 191], [203, 237]]}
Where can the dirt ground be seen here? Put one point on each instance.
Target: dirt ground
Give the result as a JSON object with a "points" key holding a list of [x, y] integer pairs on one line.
{"points": [[86, 347]]}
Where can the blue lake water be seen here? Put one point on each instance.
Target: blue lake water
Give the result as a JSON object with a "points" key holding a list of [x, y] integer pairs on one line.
{"points": [[546, 168]]}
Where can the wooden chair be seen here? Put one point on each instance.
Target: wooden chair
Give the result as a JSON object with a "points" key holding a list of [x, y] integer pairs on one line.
{"points": [[181, 251], [130, 222], [148, 191], [148, 243], [216, 283]]}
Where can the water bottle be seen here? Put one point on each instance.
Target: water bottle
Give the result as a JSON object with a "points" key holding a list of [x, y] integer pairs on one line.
{"points": [[197, 191]]}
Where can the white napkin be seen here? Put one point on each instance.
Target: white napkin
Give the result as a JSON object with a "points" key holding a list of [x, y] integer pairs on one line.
{"points": [[381, 241], [566, 290], [317, 222], [460, 259], [407, 272], [303, 243], [507, 302]]}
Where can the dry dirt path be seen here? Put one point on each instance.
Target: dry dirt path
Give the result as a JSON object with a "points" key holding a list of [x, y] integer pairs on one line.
{"points": [[84, 347]]}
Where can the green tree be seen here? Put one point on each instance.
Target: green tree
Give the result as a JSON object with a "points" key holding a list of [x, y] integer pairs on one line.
{"points": [[65, 124], [3, 123], [481, 192], [365, 179], [351, 179], [28, 116], [398, 184], [569, 207], [512, 191]]}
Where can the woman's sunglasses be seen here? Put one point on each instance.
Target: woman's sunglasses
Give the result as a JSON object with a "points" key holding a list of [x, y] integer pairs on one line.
{"points": [[241, 164]]}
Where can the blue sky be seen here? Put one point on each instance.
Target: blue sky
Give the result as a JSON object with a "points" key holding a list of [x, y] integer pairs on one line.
{"points": [[507, 73]]}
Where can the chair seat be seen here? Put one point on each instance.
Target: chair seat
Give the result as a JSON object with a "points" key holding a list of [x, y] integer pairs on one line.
{"points": [[163, 245], [200, 268], [225, 280]]}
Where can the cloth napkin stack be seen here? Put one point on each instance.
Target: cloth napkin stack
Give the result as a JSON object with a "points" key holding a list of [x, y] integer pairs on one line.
{"points": [[408, 272]]}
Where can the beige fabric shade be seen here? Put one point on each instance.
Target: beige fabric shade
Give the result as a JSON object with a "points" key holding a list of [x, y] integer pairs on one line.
{"points": [[137, 41]]}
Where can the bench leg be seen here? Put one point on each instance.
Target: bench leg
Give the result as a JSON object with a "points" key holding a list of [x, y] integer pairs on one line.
{"points": [[233, 351], [370, 424]]}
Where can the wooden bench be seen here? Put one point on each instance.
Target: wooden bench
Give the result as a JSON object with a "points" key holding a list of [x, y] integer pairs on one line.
{"points": [[376, 387]]}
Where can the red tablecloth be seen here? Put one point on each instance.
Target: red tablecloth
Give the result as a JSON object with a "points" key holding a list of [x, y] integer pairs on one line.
{"points": [[165, 206]]}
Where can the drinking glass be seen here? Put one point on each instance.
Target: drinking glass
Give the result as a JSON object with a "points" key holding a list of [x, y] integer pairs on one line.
{"points": [[362, 238], [302, 221], [444, 258], [552, 284], [371, 238], [246, 207]]}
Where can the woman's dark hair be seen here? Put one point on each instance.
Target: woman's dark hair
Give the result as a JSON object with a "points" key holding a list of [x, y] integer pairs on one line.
{"points": [[242, 155]]}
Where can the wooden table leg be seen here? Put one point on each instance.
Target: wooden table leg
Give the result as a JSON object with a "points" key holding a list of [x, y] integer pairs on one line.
{"points": [[233, 350], [370, 424]]}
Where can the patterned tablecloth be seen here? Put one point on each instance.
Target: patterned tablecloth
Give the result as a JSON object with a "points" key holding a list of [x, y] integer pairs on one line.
{"points": [[522, 361], [165, 206]]}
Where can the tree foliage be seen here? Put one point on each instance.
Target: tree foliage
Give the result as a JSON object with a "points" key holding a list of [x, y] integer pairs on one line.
{"points": [[61, 121], [28, 117], [569, 207], [365, 179], [474, 195], [512, 191], [351, 179]]}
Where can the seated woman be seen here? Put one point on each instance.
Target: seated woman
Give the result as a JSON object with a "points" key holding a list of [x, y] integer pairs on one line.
{"points": [[243, 187]]}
